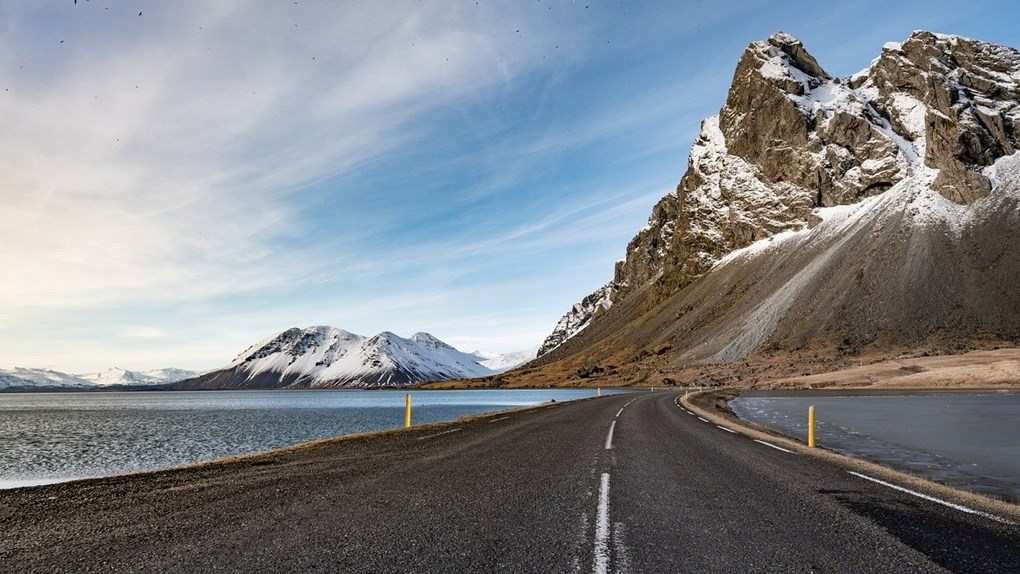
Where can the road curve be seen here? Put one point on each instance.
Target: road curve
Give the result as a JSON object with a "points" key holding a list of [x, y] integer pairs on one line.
{"points": [[623, 483]]}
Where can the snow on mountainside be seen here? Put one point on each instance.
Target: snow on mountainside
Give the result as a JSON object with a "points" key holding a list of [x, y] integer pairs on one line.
{"points": [[28, 378], [33, 378], [501, 362], [118, 376], [323, 357], [909, 160], [579, 316]]}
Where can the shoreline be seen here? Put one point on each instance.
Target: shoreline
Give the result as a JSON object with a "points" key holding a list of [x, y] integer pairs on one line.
{"points": [[713, 404], [273, 453]]}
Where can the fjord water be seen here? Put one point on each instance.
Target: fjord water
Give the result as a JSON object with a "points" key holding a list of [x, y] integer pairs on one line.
{"points": [[969, 440], [48, 437]]}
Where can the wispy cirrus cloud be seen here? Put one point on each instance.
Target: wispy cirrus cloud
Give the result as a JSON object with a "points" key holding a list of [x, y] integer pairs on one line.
{"points": [[157, 157]]}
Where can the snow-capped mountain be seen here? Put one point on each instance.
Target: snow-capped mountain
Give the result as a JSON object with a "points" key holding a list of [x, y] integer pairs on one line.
{"points": [[118, 376], [325, 357], [20, 377], [501, 362], [882, 207]]}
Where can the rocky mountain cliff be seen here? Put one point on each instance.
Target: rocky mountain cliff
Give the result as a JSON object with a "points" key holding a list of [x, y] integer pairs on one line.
{"points": [[910, 160], [327, 357], [579, 316]]}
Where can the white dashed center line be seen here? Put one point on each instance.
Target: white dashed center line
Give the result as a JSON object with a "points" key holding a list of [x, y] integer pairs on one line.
{"points": [[602, 528], [609, 437]]}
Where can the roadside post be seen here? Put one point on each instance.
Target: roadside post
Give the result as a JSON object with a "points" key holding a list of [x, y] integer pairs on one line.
{"points": [[407, 410], [811, 426], [598, 391]]}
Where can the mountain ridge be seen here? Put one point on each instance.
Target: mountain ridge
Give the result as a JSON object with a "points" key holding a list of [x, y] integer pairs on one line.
{"points": [[328, 357], [29, 378], [893, 161]]}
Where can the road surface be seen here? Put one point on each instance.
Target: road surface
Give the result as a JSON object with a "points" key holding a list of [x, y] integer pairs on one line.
{"points": [[623, 483]]}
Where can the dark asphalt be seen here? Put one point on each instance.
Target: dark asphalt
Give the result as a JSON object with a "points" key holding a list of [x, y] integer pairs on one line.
{"points": [[511, 493]]}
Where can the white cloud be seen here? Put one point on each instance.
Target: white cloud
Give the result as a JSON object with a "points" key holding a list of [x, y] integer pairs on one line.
{"points": [[158, 159]]}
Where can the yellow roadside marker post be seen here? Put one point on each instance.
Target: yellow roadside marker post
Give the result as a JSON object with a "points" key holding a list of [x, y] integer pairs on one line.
{"points": [[407, 410], [811, 426]]}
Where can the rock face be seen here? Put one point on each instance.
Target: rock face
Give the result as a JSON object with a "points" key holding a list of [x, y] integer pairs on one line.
{"points": [[327, 357], [956, 98], [579, 316], [791, 138]]}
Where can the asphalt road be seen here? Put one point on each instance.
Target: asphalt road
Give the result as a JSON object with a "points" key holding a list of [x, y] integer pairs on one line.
{"points": [[625, 483]]}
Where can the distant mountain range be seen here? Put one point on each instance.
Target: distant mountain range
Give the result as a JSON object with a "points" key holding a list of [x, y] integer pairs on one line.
{"points": [[328, 357], [20, 377], [500, 362], [319, 357]]}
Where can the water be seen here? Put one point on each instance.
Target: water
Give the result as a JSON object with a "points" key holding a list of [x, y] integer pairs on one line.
{"points": [[49, 437], [968, 440]]}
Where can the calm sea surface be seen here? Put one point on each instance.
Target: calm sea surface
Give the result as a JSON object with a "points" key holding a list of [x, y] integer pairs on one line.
{"points": [[970, 440], [49, 437]]}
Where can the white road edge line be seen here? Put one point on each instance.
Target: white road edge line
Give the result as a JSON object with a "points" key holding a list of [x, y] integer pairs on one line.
{"points": [[609, 437], [601, 549], [725, 429], [497, 420], [952, 505], [770, 445], [438, 434], [692, 414], [704, 420]]}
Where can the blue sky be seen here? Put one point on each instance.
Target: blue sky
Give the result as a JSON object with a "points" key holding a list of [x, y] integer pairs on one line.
{"points": [[179, 184]]}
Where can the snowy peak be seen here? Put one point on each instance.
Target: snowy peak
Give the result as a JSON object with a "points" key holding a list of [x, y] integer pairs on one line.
{"points": [[957, 95], [325, 356], [783, 58], [429, 340]]}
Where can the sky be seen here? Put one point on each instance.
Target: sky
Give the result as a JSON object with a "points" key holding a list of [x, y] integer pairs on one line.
{"points": [[181, 179]]}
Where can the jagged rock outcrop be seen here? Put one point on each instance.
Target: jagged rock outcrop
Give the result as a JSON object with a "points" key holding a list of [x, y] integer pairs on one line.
{"points": [[579, 316], [791, 138], [954, 96]]}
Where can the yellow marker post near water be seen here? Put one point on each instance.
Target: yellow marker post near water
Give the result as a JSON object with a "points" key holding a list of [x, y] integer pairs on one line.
{"points": [[811, 426], [407, 410]]}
